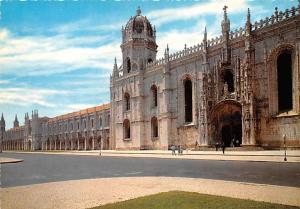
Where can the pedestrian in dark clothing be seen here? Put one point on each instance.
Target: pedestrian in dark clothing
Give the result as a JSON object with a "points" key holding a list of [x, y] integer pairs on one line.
{"points": [[217, 146], [223, 147]]}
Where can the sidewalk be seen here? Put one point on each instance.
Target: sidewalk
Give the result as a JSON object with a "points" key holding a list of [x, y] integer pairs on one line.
{"points": [[86, 193], [259, 156]]}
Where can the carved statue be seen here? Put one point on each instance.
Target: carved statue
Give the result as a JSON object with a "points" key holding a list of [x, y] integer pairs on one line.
{"points": [[225, 89]]}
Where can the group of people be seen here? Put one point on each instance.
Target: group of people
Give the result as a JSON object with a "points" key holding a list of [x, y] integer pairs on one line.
{"points": [[178, 148]]}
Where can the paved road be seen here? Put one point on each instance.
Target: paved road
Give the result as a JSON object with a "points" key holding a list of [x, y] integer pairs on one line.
{"points": [[42, 168]]}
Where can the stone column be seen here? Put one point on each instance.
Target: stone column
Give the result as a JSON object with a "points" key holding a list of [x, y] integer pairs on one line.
{"points": [[59, 144], [85, 143], [78, 144]]}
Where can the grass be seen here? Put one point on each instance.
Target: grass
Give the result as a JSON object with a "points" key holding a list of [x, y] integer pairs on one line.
{"points": [[189, 200]]}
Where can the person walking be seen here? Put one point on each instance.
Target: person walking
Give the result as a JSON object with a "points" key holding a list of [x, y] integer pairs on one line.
{"points": [[223, 147], [173, 150]]}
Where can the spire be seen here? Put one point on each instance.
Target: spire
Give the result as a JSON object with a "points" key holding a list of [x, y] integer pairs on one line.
{"points": [[225, 12], [2, 118], [225, 23], [115, 64], [115, 70], [167, 53], [248, 25], [138, 11], [205, 35], [16, 122], [248, 16]]}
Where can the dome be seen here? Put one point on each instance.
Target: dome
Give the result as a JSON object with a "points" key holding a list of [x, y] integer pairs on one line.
{"points": [[138, 24]]}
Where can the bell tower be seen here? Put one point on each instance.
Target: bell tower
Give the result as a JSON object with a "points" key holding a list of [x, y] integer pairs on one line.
{"points": [[138, 43]]}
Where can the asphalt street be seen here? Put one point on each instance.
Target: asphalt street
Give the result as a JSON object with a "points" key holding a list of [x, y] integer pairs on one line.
{"points": [[43, 168]]}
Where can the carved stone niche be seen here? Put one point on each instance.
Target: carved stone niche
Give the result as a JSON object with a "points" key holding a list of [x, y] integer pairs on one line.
{"points": [[226, 82]]}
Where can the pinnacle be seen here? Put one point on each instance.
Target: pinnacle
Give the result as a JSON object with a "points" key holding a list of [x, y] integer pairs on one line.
{"points": [[138, 11]]}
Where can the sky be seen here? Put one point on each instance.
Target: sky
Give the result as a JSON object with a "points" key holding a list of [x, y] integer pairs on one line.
{"points": [[57, 56]]}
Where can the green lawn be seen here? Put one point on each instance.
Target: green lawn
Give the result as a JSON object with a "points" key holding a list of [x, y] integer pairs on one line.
{"points": [[189, 200]]}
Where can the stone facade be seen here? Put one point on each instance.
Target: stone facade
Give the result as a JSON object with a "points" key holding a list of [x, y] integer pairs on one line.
{"points": [[240, 88], [86, 129]]}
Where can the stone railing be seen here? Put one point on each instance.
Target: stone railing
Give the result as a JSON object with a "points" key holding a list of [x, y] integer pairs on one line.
{"points": [[214, 41], [278, 16], [237, 33]]}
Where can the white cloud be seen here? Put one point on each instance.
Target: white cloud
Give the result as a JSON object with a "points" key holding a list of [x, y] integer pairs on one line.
{"points": [[4, 82], [77, 107], [40, 55], [162, 16], [28, 96]]}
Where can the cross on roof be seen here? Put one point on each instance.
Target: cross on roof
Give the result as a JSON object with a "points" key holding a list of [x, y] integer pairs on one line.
{"points": [[225, 8]]}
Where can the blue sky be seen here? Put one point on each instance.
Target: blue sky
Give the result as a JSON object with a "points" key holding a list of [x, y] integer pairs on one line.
{"points": [[56, 56]]}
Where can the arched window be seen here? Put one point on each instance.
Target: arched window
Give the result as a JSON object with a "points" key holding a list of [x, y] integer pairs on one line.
{"points": [[127, 101], [188, 100], [128, 65], [284, 79], [126, 127], [154, 127], [100, 122], [228, 78], [77, 125], [154, 95]]}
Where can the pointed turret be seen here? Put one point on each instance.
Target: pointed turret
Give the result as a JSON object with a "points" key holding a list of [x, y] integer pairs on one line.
{"points": [[205, 35], [248, 28], [115, 70], [138, 11], [248, 25], [2, 118], [225, 23], [205, 39], [225, 37], [16, 122], [167, 53]]}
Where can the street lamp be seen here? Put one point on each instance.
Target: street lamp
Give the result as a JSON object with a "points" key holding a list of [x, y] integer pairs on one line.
{"points": [[284, 137]]}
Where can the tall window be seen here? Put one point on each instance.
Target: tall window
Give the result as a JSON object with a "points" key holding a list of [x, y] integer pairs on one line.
{"points": [[154, 127], [92, 123], [228, 78], [100, 122], [126, 127], [127, 101], [188, 100], [84, 124], [284, 79], [128, 65], [154, 95]]}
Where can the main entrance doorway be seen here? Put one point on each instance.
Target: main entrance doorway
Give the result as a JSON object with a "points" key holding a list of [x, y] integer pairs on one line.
{"points": [[226, 124]]}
